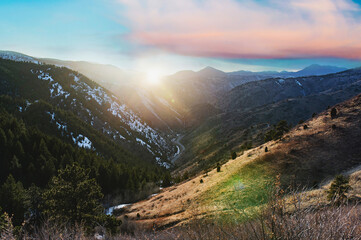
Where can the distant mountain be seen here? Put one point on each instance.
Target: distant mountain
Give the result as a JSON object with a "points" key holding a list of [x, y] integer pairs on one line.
{"points": [[18, 57], [211, 72], [106, 75], [312, 70], [316, 70]]}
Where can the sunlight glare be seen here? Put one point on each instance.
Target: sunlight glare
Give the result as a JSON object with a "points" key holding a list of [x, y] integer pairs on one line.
{"points": [[153, 77]]}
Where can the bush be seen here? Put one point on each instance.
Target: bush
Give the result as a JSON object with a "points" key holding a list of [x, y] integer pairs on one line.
{"points": [[277, 131], [333, 113], [218, 167], [201, 181], [338, 189], [305, 127], [234, 155], [266, 149]]}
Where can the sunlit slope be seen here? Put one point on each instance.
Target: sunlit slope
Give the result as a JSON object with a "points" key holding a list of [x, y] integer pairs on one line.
{"points": [[95, 107], [249, 110], [303, 157]]}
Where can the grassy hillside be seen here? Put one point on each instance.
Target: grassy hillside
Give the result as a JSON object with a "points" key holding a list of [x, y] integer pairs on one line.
{"points": [[304, 157], [250, 110]]}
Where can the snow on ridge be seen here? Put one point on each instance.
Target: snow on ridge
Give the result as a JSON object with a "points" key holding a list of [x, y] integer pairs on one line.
{"points": [[298, 83], [17, 57]]}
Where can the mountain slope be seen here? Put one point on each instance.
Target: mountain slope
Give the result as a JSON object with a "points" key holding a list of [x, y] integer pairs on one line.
{"points": [[92, 104], [130, 88], [303, 157], [249, 110]]}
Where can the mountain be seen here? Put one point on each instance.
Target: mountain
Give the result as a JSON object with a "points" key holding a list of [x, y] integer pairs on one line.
{"points": [[316, 70], [173, 105], [63, 106], [312, 70], [304, 157], [250, 110], [211, 72], [18, 57], [154, 109]]}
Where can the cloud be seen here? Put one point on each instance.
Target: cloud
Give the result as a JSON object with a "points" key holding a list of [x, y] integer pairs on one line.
{"points": [[246, 28]]}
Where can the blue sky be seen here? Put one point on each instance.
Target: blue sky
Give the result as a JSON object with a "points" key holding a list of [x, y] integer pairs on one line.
{"points": [[188, 34]]}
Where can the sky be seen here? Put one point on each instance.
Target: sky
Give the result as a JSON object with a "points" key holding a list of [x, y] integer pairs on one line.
{"points": [[173, 35]]}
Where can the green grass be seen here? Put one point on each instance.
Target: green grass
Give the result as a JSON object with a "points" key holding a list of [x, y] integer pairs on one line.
{"points": [[242, 194]]}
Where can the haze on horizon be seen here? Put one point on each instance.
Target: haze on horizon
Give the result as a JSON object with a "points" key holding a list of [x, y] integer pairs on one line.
{"points": [[168, 36]]}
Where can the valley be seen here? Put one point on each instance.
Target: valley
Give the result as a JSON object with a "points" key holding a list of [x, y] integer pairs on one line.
{"points": [[297, 157], [202, 146]]}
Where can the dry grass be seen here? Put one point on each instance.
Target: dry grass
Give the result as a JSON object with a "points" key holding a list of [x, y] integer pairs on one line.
{"points": [[273, 222], [304, 157]]}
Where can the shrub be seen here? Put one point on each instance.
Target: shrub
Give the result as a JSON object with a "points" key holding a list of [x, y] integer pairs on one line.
{"points": [[185, 176], [201, 181], [234, 155], [218, 167], [333, 113], [266, 149], [338, 189], [277, 131], [305, 126]]}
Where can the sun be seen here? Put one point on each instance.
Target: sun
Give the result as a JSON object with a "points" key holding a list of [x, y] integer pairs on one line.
{"points": [[153, 77]]}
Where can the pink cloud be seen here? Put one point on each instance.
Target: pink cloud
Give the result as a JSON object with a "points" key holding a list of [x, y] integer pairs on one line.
{"points": [[238, 29]]}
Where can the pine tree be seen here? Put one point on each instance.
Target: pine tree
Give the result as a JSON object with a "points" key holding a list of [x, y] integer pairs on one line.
{"points": [[72, 196], [339, 187], [12, 198]]}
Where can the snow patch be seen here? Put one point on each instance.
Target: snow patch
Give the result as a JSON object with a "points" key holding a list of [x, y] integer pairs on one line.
{"points": [[281, 81], [163, 164], [82, 141]]}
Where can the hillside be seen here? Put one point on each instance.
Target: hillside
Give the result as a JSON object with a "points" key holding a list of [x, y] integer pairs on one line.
{"points": [[304, 157], [97, 107], [250, 110], [53, 116], [147, 101]]}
